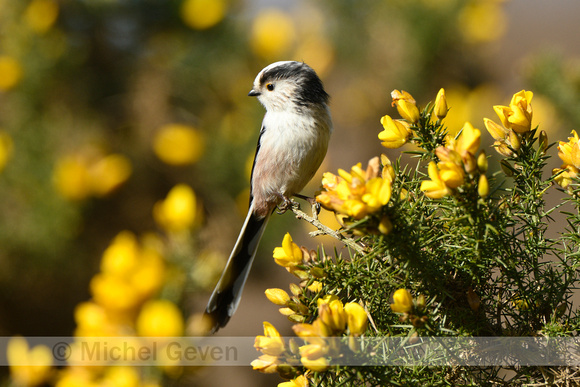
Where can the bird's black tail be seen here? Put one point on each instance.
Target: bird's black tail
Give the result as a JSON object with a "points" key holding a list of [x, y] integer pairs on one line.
{"points": [[228, 291]]}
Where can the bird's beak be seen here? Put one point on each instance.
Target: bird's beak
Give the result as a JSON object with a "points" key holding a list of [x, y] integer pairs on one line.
{"points": [[254, 93]]}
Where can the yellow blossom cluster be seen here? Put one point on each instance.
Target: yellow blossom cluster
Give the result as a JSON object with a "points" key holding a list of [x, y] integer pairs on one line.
{"points": [[569, 153], [516, 119], [397, 133], [459, 156], [359, 192], [29, 366], [334, 319], [131, 273], [456, 160], [89, 172], [124, 303], [294, 258]]}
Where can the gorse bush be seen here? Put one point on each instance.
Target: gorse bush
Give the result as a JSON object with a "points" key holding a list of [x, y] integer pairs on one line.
{"points": [[460, 250]]}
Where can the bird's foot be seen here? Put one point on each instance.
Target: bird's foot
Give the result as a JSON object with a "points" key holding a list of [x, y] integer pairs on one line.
{"points": [[285, 205]]}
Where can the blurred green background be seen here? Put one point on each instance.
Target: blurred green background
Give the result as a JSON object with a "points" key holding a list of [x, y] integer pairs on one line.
{"points": [[105, 105]]}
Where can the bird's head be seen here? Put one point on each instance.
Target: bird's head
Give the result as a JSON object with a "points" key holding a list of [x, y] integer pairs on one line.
{"points": [[288, 85]]}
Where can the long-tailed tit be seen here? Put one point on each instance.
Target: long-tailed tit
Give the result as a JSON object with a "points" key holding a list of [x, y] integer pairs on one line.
{"points": [[292, 144]]}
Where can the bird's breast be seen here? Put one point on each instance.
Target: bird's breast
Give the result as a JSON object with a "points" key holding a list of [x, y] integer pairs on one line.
{"points": [[292, 148]]}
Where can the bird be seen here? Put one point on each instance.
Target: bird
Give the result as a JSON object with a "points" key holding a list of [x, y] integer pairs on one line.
{"points": [[291, 146]]}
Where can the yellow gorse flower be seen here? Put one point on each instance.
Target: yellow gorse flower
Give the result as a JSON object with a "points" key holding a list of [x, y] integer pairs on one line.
{"points": [[356, 193], [518, 115], [266, 364], [569, 153], [331, 313], [565, 175], [357, 319], [403, 301], [202, 14], [395, 133], [468, 141], [456, 159], [108, 173], [178, 144], [406, 105], [160, 318], [129, 274], [40, 15], [271, 343], [434, 188], [516, 120], [312, 355], [177, 213], [93, 320], [309, 360], [29, 367], [451, 174], [89, 173], [299, 381], [10, 72], [506, 140], [289, 255], [273, 33]]}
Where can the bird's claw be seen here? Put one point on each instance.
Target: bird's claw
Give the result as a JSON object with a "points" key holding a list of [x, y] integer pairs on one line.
{"points": [[285, 205]]}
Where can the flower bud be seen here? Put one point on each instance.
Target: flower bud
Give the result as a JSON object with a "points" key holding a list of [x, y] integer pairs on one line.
{"points": [[385, 226], [296, 318], [317, 272], [543, 141], [482, 162], [295, 289], [473, 300], [421, 302], [483, 186], [298, 307], [497, 132], [506, 168], [277, 296], [503, 149], [440, 108], [294, 346], [514, 140]]}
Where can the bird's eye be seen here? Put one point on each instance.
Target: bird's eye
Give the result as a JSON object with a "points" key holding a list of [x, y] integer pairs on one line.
{"points": [[270, 86]]}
